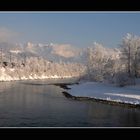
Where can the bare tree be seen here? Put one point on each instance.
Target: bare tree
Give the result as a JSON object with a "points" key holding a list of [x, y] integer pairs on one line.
{"points": [[130, 50]]}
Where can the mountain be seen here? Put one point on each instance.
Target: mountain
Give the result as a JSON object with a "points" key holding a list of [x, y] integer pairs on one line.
{"points": [[52, 52]]}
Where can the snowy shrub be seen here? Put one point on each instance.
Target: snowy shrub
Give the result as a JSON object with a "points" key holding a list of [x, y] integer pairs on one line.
{"points": [[36, 68], [122, 79], [102, 63]]}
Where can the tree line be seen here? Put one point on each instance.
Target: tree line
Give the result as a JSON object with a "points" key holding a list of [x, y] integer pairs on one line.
{"points": [[119, 65]]}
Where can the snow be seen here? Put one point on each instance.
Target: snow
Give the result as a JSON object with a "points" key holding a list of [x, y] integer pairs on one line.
{"points": [[15, 51], [124, 95], [38, 69], [128, 94], [4, 76]]}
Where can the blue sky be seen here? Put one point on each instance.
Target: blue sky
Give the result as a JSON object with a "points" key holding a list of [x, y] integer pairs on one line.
{"points": [[77, 29]]}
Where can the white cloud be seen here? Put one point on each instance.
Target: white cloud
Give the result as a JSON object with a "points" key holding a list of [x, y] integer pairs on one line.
{"points": [[7, 34], [65, 50]]}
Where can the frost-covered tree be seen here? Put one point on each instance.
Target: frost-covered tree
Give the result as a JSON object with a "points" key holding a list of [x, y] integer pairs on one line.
{"points": [[131, 49], [96, 60], [119, 65], [102, 62]]}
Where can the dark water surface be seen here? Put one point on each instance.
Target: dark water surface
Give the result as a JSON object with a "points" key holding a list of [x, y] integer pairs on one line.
{"points": [[39, 104]]}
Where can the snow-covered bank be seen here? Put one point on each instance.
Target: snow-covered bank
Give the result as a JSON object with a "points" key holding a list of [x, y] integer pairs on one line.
{"points": [[34, 77], [128, 94], [12, 75]]}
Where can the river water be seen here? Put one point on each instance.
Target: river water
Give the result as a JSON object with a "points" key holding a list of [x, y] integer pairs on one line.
{"points": [[40, 104]]}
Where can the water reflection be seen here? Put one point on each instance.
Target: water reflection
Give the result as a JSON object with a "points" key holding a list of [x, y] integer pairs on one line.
{"points": [[6, 85], [113, 116], [39, 104]]}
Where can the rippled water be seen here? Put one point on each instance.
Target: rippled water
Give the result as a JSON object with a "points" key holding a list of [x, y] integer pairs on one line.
{"points": [[39, 104]]}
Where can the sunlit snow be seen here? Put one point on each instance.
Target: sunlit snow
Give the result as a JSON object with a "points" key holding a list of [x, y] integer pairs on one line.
{"points": [[128, 94]]}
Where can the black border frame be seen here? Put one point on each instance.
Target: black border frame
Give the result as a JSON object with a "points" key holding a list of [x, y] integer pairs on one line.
{"points": [[79, 5]]}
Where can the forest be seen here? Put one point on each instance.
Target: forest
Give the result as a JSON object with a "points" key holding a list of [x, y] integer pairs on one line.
{"points": [[119, 66]]}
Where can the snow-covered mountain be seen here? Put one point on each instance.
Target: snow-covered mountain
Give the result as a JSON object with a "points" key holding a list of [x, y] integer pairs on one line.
{"points": [[52, 52]]}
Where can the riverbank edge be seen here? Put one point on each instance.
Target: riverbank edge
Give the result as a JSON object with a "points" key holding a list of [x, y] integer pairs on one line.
{"points": [[80, 98], [25, 79]]}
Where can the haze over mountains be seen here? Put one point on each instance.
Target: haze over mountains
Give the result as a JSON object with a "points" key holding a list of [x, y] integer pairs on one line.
{"points": [[51, 52]]}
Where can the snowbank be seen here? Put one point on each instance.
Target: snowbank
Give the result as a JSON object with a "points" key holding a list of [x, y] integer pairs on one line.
{"points": [[5, 76], [8, 78], [129, 94]]}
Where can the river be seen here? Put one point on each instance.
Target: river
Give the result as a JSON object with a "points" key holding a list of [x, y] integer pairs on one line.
{"points": [[39, 103]]}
